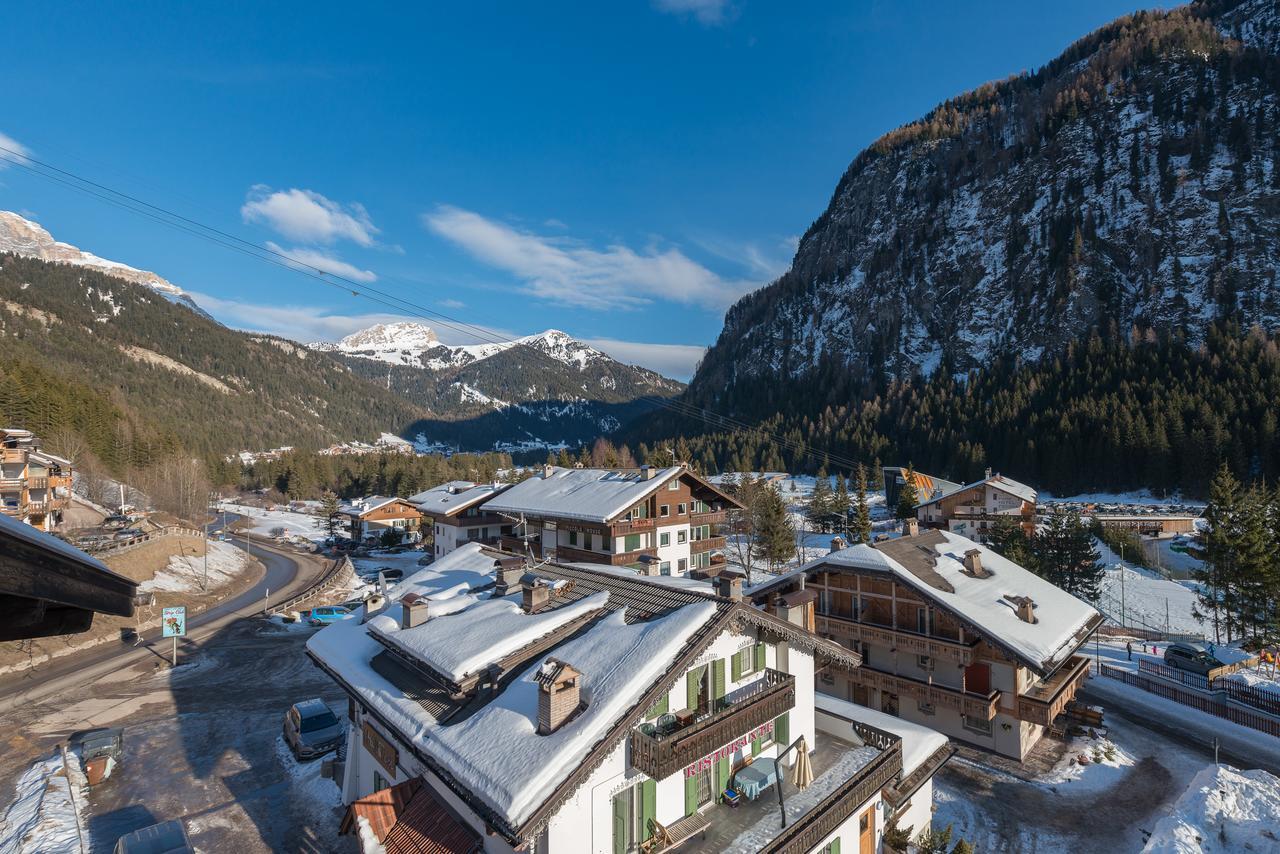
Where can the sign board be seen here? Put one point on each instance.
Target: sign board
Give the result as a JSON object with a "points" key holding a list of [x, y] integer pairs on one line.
{"points": [[380, 749], [728, 750], [174, 621]]}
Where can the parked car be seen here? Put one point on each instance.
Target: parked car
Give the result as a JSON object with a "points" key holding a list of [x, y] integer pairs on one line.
{"points": [[128, 534], [168, 837], [327, 614], [116, 521], [1191, 657], [311, 730]]}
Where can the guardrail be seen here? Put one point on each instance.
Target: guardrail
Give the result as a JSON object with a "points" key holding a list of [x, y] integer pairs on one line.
{"points": [[323, 584], [118, 546], [1179, 694]]}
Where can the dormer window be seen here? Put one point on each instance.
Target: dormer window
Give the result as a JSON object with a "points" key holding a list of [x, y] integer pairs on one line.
{"points": [[673, 484]]}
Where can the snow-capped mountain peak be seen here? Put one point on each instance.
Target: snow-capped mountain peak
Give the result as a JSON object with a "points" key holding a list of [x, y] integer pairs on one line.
{"points": [[411, 343], [21, 236], [398, 343]]}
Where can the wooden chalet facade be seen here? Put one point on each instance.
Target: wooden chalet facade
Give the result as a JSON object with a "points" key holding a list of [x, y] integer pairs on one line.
{"points": [[35, 486]]}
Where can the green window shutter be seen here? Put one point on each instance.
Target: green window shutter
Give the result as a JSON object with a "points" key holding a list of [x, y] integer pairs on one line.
{"points": [[722, 776], [692, 678], [737, 666], [717, 678], [648, 807], [620, 823], [759, 651], [632, 542], [833, 847], [782, 730], [690, 795], [658, 708], [755, 747]]}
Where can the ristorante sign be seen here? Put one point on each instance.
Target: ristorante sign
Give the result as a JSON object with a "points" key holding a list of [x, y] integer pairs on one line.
{"points": [[728, 750]]}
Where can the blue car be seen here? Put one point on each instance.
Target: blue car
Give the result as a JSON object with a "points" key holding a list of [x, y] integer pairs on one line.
{"points": [[327, 614]]}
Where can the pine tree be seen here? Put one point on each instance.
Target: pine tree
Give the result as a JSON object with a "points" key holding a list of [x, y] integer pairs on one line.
{"points": [[329, 509], [861, 510], [775, 536], [1064, 555], [1249, 587], [907, 498], [821, 505], [1010, 541], [1218, 550], [841, 504]]}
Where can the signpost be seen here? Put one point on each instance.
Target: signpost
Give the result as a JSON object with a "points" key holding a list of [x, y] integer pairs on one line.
{"points": [[173, 622]]}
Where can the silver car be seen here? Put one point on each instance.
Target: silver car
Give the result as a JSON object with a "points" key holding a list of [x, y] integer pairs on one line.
{"points": [[311, 729]]}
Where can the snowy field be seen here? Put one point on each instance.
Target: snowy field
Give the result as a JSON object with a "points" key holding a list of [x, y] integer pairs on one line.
{"points": [[46, 816], [1223, 810], [1149, 601], [264, 522], [187, 572], [1140, 496]]}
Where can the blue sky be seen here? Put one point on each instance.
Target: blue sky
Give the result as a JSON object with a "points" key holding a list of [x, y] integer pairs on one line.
{"points": [[621, 171]]}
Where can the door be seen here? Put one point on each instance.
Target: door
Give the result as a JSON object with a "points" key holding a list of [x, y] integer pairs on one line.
{"points": [[867, 832], [977, 678], [889, 703], [858, 694]]}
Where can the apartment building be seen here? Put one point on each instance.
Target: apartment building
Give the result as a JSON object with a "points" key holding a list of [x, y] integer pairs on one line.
{"points": [[951, 635], [926, 485], [35, 486], [453, 514], [371, 517], [973, 510], [661, 521], [500, 705]]}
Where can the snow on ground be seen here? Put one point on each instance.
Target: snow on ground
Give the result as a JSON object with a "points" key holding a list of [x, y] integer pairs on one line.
{"points": [[764, 830], [1260, 678], [407, 562], [1140, 496], [45, 815], [1224, 810], [187, 572], [1089, 763], [1149, 600], [264, 522], [322, 796]]}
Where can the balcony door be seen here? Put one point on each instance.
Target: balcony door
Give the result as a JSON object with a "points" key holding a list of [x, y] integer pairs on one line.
{"points": [[977, 678], [704, 685]]}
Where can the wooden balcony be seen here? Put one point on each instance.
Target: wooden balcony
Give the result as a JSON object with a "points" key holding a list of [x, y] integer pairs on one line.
{"points": [[709, 517], [806, 833], [981, 706], [635, 526], [912, 643], [705, 545], [37, 483], [1044, 702], [13, 455], [660, 755]]}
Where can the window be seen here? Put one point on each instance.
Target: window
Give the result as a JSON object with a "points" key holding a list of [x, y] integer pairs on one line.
{"points": [[682, 536], [682, 565], [832, 847], [665, 567], [673, 484], [664, 510], [680, 509], [978, 725], [573, 538], [631, 542], [664, 539], [924, 662], [747, 661], [925, 708]]}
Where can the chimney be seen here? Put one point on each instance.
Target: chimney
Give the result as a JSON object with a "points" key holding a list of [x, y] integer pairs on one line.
{"points": [[647, 472], [987, 476], [372, 606], [559, 694], [535, 592], [413, 610], [910, 527], [837, 543], [1026, 608], [973, 564], [508, 571], [547, 469], [729, 585]]}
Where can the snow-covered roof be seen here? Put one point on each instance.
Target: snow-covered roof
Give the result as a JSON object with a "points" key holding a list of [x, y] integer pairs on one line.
{"points": [[453, 497], [918, 742], [45, 456], [1060, 617], [591, 495], [473, 633], [361, 506], [996, 481]]}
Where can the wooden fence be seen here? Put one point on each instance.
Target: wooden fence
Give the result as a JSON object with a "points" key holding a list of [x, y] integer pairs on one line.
{"points": [[1210, 704]]}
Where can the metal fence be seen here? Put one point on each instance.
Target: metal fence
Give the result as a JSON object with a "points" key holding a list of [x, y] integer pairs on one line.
{"points": [[1179, 694], [1240, 692], [1191, 680]]}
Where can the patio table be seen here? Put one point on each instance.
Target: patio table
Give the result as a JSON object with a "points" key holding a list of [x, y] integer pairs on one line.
{"points": [[756, 777]]}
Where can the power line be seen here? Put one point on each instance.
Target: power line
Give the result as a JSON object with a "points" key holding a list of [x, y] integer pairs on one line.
{"points": [[363, 290]]}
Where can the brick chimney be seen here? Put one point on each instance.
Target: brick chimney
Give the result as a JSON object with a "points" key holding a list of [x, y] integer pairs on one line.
{"points": [[413, 610], [508, 570], [559, 694], [1025, 607], [910, 527], [535, 592], [973, 564], [729, 585], [837, 543]]}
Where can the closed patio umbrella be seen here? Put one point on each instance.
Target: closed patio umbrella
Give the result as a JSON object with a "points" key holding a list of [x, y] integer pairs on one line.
{"points": [[802, 771]]}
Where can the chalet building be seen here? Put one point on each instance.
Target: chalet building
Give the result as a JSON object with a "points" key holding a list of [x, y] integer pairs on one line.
{"points": [[927, 486], [951, 635], [1147, 524], [501, 705], [370, 518], [973, 510], [453, 515], [35, 486], [661, 521]]}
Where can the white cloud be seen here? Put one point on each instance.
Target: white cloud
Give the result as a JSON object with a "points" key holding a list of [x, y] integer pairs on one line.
{"points": [[452, 303], [313, 260], [709, 13], [307, 216], [677, 361], [570, 273], [15, 151]]}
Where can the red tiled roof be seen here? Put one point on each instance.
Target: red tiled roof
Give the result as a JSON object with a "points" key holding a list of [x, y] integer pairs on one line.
{"points": [[408, 819]]}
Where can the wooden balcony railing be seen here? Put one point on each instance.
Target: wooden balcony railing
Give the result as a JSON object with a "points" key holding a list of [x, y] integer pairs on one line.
{"points": [[807, 832], [632, 526], [709, 517], [13, 455], [706, 544], [981, 706], [37, 483], [1044, 702], [662, 754], [903, 641]]}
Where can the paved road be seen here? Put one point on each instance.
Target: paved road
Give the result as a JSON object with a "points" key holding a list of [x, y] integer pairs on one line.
{"points": [[286, 573]]}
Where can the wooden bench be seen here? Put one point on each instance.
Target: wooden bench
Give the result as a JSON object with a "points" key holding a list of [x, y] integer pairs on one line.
{"points": [[666, 837]]}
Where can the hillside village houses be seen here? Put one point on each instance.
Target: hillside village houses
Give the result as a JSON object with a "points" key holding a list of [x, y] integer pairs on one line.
{"points": [[372, 517], [35, 485], [454, 515], [660, 520], [951, 635], [500, 704], [974, 509]]}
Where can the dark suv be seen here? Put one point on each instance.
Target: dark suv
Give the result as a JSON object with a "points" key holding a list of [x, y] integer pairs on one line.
{"points": [[311, 729], [1190, 657]]}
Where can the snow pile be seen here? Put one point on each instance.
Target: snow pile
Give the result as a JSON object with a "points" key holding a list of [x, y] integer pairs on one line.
{"points": [[1089, 763], [369, 843], [186, 573], [476, 633], [1224, 810], [45, 814], [264, 522], [764, 830]]}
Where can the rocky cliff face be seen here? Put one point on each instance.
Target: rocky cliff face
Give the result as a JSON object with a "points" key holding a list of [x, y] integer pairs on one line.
{"points": [[1130, 186]]}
